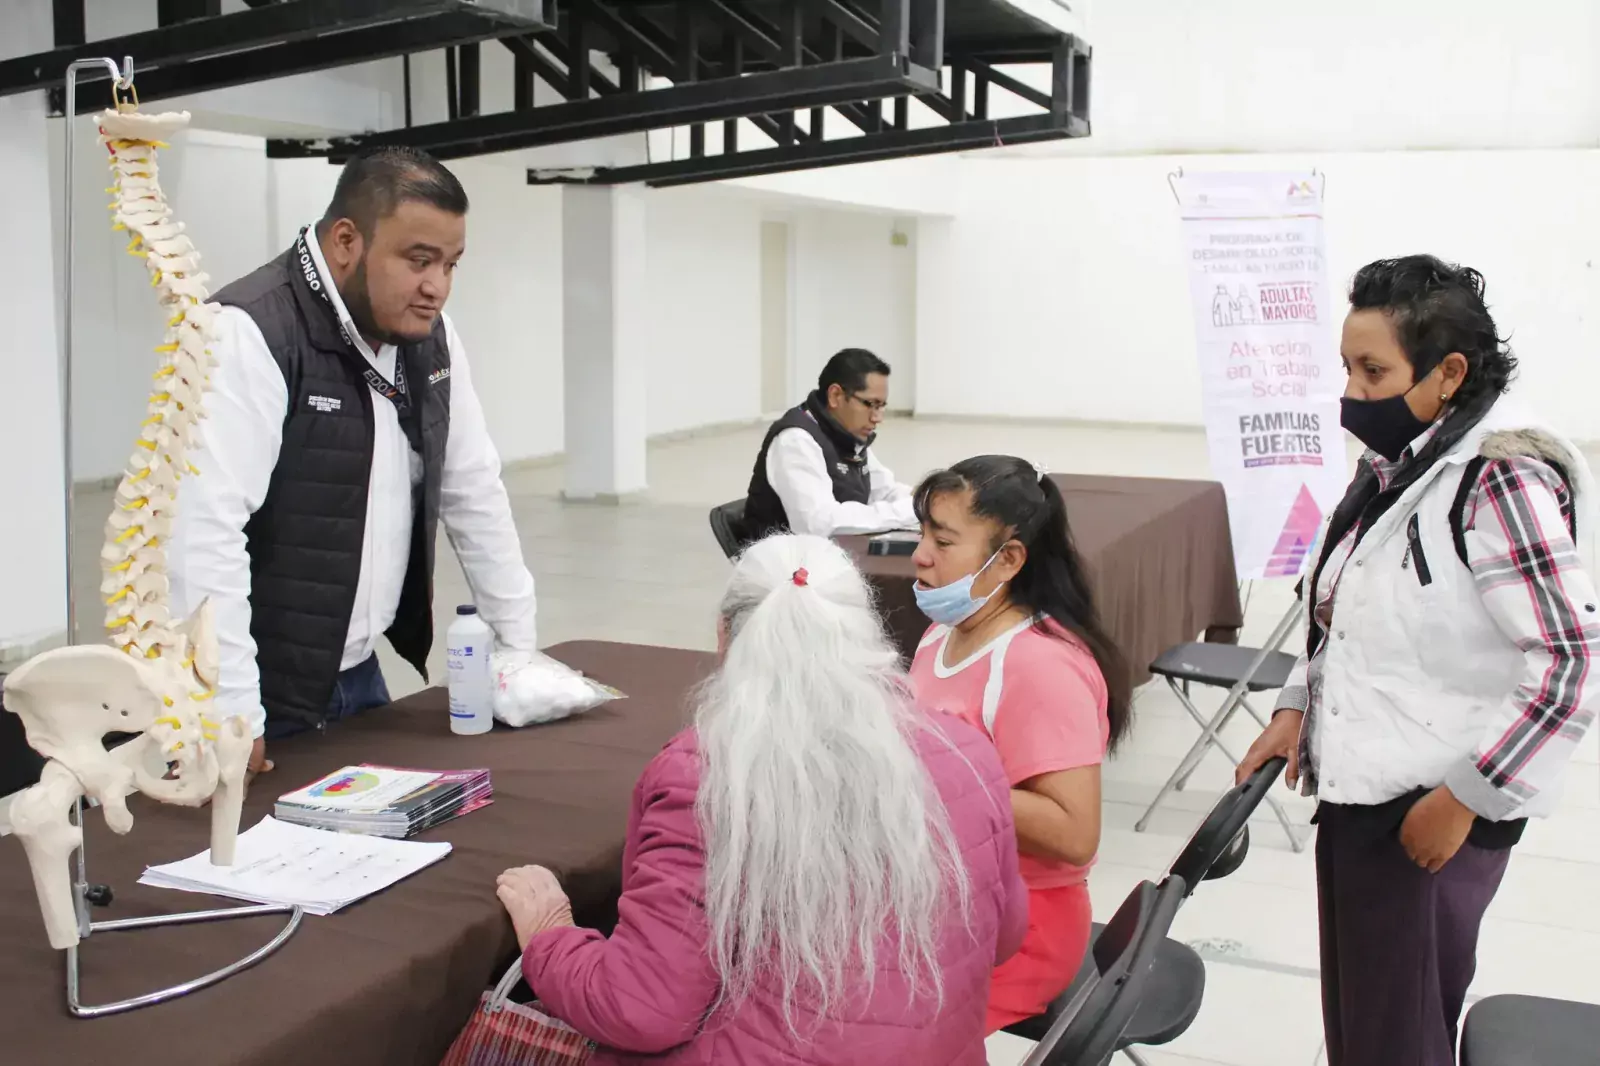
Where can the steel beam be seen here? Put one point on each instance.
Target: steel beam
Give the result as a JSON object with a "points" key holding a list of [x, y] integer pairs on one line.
{"points": [[678, 105], [470, 87], [530, 62], [896, 144], [631, 33], [1065, 116], [452, 88], [68, 19], [853, 24], [172, 12], [276, 40], [765, 40], [999, 77], [926, 41]]}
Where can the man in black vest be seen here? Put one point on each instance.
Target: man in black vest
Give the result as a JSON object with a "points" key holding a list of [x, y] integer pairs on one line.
{"points": [[815, 474], [342, 429]]}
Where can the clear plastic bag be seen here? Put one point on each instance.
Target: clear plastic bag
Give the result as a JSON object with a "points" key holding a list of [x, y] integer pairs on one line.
{"points": [[530, 688]]}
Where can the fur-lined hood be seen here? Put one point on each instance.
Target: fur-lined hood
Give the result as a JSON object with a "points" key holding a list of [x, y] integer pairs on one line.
{"points": [[1530, 443], [1507, 432]]}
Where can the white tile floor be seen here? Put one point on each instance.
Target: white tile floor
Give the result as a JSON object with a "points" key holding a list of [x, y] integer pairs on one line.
{"points": [[650, 572]]}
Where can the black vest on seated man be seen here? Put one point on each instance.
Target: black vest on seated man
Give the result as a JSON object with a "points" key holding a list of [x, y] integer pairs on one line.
{"points": [[846, 458], [305, 542]]}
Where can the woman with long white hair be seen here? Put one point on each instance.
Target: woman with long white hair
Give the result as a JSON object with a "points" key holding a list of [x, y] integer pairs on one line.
{"points": [[815, 872]]}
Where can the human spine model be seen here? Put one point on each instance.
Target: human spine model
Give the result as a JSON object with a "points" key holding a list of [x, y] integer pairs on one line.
{"points": [[158, 674]]}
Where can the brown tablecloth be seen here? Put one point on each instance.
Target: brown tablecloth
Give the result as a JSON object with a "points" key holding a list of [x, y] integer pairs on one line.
{"points": [[1159, 554], [386, 981]]}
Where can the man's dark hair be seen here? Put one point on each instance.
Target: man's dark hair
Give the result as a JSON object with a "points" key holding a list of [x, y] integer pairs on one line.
{"points": [[375, 183], [1437, 308], [848, 369]]}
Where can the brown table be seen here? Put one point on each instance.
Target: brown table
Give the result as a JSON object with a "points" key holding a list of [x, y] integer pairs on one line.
{"points": [[1159, 553], [386, 981]]}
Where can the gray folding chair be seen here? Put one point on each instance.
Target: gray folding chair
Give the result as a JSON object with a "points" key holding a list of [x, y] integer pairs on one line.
{"points": [[1530, 1031], [1241, 671]]}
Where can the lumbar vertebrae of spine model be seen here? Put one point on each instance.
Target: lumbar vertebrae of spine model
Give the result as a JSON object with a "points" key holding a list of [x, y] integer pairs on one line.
{"points": [[156, 675]]}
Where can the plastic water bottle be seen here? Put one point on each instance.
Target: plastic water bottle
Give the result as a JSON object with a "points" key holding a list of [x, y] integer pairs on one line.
{"points": [[467, 646]]}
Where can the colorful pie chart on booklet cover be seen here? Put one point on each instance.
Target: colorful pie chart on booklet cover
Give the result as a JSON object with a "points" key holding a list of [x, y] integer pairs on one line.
{"points": [[346, 785]]}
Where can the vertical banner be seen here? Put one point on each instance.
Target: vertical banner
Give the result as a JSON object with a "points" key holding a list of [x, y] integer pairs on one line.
{"points": [[1267, 334]]}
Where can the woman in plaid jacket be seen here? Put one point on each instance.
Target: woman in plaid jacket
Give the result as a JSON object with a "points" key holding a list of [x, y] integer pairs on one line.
{"points": [[1451, 623]]}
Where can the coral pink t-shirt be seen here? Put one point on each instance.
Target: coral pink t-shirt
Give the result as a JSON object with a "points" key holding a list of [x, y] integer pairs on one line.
{"points": [[1038, 695]]}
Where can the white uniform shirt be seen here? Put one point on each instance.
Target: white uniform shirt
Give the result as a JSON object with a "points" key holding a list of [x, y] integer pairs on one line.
{"points": [[798, 473], [236, 454]]}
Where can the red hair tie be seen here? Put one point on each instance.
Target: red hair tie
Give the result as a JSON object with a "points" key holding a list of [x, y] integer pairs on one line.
{"points": [[801, 577]]}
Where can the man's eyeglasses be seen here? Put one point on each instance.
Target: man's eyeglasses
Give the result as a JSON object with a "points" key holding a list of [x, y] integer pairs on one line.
{"points": [[871, 405]]}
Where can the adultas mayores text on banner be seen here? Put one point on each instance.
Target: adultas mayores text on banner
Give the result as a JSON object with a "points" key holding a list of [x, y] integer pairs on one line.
{"points": [[1266, 331]]}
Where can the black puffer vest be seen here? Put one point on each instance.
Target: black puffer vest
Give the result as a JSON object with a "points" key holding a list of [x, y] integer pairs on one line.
{"points": [[305, 542], [845, 456]]}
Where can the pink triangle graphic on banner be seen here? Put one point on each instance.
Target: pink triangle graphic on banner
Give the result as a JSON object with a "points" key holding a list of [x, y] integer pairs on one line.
{"points": [[1295, 540]]}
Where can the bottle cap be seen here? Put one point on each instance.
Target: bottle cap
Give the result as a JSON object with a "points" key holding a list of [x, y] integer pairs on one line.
{"points": [[466, 608]]}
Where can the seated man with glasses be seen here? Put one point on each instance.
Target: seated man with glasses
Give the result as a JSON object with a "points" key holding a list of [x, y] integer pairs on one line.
{"points": [[815, 473]]}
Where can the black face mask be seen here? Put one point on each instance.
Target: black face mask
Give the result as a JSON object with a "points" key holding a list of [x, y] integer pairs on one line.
{"points": [[1386, 426]]}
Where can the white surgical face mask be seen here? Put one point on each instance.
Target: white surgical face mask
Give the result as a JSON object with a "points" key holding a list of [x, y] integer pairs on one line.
{"points": [[952, 604]]}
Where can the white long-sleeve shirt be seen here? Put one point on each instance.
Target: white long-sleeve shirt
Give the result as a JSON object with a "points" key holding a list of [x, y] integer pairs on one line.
{"points": [[236, 454], [798, 473]]}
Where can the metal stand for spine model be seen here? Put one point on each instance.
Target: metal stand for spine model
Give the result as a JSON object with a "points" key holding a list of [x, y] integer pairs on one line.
{"points": [[84, 893]]}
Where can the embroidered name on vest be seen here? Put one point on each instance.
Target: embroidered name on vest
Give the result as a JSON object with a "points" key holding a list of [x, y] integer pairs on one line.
{"points": [[325, 404], [438, 375]]}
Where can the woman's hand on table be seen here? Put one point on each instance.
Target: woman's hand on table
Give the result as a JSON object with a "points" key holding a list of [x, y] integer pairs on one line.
{"points": [[533, 898], [1280, 738], [1435, 829]]}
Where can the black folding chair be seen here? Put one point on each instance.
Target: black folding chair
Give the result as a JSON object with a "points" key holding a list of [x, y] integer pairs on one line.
{"points": [[1530, 1031], [1119, 971], [1241, 671], [1175, 987], [727, 525]]}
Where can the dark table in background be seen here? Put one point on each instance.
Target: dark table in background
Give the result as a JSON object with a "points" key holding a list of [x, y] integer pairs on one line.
{"points": [[1160, 558], [389, 980]]}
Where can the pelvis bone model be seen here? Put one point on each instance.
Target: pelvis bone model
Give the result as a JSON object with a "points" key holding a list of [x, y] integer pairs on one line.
{"points": [[155, 677]]}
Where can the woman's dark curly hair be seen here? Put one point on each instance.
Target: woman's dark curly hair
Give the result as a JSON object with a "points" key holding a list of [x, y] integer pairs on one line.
{"points": [[1437, 308]]}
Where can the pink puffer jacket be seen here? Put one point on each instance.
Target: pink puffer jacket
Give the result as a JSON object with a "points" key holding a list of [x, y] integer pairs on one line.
{"points": [[644, 993]]}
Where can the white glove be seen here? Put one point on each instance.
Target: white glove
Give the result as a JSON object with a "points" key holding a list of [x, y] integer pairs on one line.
{"points": [[530, 688]]}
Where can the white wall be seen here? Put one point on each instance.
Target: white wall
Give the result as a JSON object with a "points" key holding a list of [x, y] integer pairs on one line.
{"points": [[704, 308], [1087, 310], [853, 288], [1060, 272], [33, 605], [217, 185], [506, 305]]}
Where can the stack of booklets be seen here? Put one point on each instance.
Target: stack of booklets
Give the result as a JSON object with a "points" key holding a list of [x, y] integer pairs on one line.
{"points": [[385, 801]]}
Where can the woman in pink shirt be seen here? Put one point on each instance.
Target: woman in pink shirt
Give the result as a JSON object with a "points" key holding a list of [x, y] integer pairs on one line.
{"points": [[1017, 650], [816, 872]]}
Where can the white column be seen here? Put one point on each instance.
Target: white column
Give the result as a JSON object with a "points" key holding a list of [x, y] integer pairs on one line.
{"points": [[604, 336], [33, 611]]}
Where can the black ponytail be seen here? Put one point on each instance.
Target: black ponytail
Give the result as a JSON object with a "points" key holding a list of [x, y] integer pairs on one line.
{"points": [[1053, 580]]}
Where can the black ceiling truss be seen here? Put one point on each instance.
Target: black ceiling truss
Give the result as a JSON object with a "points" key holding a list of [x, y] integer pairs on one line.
{"points": [[781, 65], [725, 59], [968, 126], [194, 48]]}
